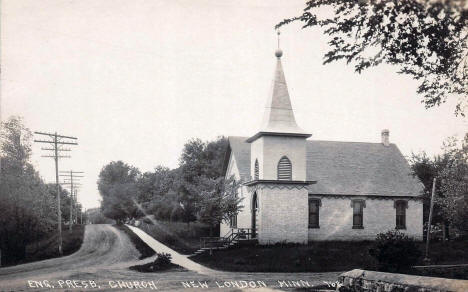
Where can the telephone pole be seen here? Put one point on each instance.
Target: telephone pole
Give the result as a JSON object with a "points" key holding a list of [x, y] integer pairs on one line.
{"points": [[428, 235], [56, 141], [72, 181]]}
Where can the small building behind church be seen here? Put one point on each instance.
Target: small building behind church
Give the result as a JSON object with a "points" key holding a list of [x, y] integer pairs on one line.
{"points": [[298, 189]]}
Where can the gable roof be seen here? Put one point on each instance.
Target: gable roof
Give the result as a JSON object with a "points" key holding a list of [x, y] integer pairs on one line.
{"points": [[241, 152], [347, 168]]}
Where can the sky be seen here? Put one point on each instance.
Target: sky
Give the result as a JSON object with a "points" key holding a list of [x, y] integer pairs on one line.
{"points": [[134, 80]]}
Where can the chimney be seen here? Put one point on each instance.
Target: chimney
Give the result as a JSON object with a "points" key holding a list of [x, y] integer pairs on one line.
{"points": [[386, 137]]}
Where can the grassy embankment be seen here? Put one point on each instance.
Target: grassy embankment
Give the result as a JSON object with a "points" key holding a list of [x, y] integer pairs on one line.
{"points": [[47, 248], [145, 252], [142, 247]]}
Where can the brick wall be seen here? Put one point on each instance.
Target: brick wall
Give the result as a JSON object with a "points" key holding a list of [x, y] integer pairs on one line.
{"points": [[336, 219], [283, 216]]}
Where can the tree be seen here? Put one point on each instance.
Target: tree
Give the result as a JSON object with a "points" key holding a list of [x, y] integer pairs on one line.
{"points": [[451, 170], [454, 184], [219, 201], [199, 162], [152, 185], [425, 39], [27, 212], [117, 186]]}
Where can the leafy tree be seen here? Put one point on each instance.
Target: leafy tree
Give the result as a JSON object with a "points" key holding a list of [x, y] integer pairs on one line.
{"points": [[451, 170], [117, 186], [454, 184], [95, 216], [27, 212], [218, 201], [425, 39], [152, 185], [199, 161]]}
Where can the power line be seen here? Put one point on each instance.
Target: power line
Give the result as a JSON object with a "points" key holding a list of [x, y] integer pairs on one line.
{"points": [[55, 141], [72, 179]]}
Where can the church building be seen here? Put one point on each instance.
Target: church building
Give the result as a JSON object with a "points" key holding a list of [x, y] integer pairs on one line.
{"points": [[297, 189]]}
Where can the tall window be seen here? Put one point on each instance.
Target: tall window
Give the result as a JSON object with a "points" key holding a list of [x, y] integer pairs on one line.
{"points": [[284, 169], [400, 207], [233, 221], [256, 172], [314, 210], [358, 213]]}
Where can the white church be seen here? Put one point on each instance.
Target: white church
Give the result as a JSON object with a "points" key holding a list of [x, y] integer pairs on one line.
{"points": [[297, 189]]}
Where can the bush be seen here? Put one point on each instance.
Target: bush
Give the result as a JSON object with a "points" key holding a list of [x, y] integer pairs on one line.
{"points": [[162, 262], [394, 251]]}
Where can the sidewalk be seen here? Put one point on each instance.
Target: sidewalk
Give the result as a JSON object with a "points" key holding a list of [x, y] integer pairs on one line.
{"points": [[272, 279], [177, 258]]}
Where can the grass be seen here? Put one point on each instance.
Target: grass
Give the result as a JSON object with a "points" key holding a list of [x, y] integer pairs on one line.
{"points": [[47, 248], [182, 237], [315, 257], [319, 257], [447, 253], [142, 247]]}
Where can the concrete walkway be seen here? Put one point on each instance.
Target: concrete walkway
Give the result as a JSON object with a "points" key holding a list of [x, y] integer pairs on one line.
{"points": [[272, 279], [177, 258]]}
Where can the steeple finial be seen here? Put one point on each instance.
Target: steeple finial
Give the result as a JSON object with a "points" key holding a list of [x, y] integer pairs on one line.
{"points": [[278, 52]]}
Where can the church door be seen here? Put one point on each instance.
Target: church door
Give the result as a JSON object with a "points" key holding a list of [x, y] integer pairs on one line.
{"points": [[254, 215]]}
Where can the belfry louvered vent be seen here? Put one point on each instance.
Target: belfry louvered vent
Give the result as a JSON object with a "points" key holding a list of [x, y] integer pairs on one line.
{"points": [[256, 175], [284, 169]]}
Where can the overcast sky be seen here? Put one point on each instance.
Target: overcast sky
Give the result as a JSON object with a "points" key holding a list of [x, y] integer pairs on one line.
{"points": [[134, 80]]}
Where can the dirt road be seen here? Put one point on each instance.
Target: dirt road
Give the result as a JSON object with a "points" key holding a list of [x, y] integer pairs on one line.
{"points": [[102, 264]]}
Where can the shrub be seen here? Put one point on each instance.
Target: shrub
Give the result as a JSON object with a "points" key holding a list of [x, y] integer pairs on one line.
{"points": [[162, 262], [394, 251]]}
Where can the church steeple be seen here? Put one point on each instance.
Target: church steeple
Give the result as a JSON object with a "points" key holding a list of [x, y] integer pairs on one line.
{"points": [[278, 118]]}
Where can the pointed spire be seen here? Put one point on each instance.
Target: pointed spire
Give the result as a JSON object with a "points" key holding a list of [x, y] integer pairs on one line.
{"points": [[278, 118]]}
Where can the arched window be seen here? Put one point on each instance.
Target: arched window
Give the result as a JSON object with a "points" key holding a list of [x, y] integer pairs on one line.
{"points": [[256, 175], [284, 169]]}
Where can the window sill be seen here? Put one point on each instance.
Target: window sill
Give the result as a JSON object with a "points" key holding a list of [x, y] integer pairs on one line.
{"points": [[400, 227], [314, 227], [358, 227]]}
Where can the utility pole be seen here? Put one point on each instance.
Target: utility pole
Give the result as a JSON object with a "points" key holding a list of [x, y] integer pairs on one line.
{"points": [[55, 140], [428, 235], [72, 177]]}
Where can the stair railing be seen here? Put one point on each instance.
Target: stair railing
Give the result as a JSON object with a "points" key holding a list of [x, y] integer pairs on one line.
{"points": [[234, 234]]}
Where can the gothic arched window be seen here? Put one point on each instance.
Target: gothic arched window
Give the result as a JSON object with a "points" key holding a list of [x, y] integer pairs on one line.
{"points": [[284, 169], [256, 175]]}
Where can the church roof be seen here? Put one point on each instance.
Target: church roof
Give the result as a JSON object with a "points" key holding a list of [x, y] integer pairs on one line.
{"points": [[346, 168], [278, 116]]}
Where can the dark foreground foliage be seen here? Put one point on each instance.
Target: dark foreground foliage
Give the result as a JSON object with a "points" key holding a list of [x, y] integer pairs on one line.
{"points": [[47, 248], [395, 252], [315, 257], [161, 263], [325, 257], [142, 247]]}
